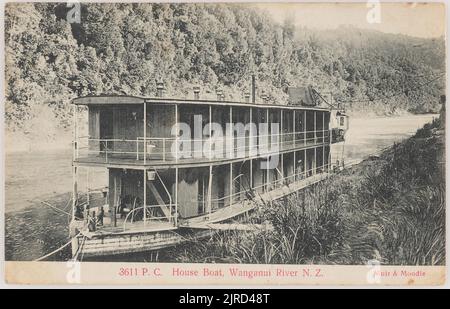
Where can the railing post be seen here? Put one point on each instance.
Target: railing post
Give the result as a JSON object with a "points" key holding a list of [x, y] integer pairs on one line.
{"points": [[176, 196], [231, 184], [294, 129], [137, 149], [74, 191], [145, 132], [87, 186], [76, 132], [145, 196], [210, 188], [323, 141], [295, 167], [74, 137], [177, 132], [269, 132], [74, 168], [315, 128], [231, 142], [329, 156], [210, 133], [106, 151], [323, 128], [250, 139], [304, 129], [304, 164], [315, 161], [281, 136], [164, 149], [251, 174]]}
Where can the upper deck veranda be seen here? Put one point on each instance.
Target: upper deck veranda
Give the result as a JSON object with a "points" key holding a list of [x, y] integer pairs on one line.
{"points": [[189, 132]]}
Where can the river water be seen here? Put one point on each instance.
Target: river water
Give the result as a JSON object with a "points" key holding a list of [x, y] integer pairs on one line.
{"points": [[34, 178], [367, 136]]}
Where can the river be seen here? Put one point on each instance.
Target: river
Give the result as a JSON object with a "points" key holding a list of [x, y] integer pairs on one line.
{"points": [[34, 228], [367, 136]]}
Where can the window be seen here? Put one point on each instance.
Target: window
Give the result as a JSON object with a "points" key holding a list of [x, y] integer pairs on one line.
{"points": [[341, 121]]}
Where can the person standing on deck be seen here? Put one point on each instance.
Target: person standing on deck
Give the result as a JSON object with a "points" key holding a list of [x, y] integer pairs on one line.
{"points": [[101, 214], [92, 226]]}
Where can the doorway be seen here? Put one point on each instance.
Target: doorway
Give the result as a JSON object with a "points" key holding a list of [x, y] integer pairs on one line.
{"points": [[106, 129]]}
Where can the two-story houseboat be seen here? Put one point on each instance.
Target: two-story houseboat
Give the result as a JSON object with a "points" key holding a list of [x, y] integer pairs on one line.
{"points": [[180, 168]]}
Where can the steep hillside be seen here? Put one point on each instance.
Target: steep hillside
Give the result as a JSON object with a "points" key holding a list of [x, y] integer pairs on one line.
{"points": [[126, 48]]}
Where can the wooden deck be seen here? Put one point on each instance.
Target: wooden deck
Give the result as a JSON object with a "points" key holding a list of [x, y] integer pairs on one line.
{"points": [[135, 227], [233, 227], [157, 161]]}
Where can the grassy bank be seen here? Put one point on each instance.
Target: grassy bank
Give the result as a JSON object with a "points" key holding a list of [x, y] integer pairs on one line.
{"points": [[390, 208]]}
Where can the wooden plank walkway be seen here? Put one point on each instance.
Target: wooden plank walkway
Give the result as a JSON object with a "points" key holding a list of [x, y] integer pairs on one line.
{"points": [[232, 227]]}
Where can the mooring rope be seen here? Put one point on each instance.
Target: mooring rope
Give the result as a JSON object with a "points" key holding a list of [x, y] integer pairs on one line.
{"points": [[80, 250], [56, 208], [55, 251]]}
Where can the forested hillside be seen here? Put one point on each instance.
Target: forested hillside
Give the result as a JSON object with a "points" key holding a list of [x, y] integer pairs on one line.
{"points": [[126, 48]]}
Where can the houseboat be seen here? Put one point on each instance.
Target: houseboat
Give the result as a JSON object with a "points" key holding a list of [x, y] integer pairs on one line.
{"points": [[183, 168]]}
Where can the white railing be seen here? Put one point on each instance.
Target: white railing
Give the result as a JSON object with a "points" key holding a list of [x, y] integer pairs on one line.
{"points": [[106, 150], [269, 186], [150, 215]]}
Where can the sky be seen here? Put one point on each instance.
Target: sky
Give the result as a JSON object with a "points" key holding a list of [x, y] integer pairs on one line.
{"points": [[426, 20]]}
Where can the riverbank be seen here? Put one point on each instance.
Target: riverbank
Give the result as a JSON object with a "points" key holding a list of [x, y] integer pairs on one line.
{"points": [[388, 208]]}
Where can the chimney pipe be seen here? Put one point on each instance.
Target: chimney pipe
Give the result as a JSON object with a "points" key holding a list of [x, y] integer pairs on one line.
{"points": [[196, 92], [219, 93], [253, 88], [263, 95], [247, 96], [159, 89]]}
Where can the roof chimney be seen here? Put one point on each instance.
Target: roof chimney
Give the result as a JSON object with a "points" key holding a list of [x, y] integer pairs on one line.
{"points": [[196, 92], [247, 96], [159, 89], [263, 95], [219, 93]]}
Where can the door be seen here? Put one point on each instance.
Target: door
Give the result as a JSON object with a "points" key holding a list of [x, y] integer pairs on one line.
{"points": [[202, 196], [106, 129]]}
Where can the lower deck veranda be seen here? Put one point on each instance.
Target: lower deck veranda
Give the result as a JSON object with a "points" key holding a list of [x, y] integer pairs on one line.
{"points": [[162, 195]]}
